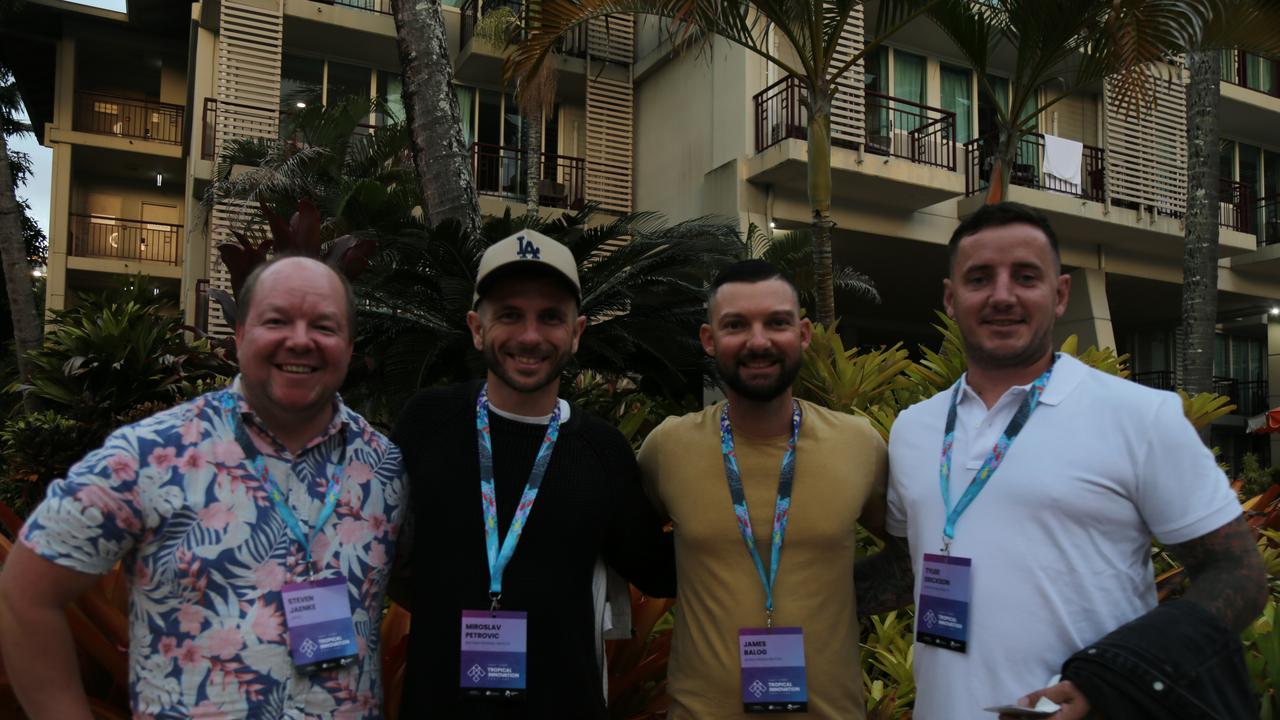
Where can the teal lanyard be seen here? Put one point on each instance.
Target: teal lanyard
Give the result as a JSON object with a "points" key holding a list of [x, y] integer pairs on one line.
{"points": [[781, 507], [499, 557], [994, 459], [259, 464]]}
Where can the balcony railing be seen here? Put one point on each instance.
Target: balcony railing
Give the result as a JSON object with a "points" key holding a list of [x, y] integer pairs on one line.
{"points": [[501, 171], [102, 236], [895, 127], [906, 129], [980, 155], [209, 133], [1249, 396], [1235, 211], [1268, 220], [128, 117], [377, 6], [1251, 71]]}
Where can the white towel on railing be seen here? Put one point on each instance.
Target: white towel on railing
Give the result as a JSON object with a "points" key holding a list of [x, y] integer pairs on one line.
{"points": [[1062, 158]]}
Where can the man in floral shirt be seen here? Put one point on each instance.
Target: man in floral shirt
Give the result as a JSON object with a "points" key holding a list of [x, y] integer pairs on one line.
{"points": [[208, 506]]}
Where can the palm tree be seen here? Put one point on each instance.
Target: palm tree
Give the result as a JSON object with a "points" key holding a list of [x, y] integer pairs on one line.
{"points": [[810, 31], [1200, 246], [440, 153], [535, 95], [27, 330], [792, 253], [643, 292]]}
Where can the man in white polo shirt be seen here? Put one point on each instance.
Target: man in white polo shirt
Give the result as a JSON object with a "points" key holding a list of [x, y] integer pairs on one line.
{"points": [[1025, 497]]}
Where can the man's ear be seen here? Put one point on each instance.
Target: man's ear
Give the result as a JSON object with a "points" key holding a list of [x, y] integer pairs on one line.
{"points": [[708, 340], [806, 333], [948, 302], [477, 329], [578, 327], [1064, 294]]}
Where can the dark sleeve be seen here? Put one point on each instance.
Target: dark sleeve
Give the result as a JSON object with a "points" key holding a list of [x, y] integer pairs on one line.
{"points": [[636, 541]]}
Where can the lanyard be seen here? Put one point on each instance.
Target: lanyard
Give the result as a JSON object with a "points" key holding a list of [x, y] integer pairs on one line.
{"points": [[259, 464], [781, 508], [498, 558], [994, 459]]}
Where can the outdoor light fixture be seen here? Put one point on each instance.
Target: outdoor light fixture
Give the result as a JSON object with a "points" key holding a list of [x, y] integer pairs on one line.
{"points": [[159, 179], [1275, 311], [301, 105], [37, 273], [773, 225]]}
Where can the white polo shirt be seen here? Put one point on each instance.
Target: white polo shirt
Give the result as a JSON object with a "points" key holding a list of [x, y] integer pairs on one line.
{"points": [[1060, 538]]}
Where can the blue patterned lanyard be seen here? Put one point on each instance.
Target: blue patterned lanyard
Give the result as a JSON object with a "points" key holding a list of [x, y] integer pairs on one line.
{"points": [[993, 461], [498, 558], [781, 508], [259, 464]]}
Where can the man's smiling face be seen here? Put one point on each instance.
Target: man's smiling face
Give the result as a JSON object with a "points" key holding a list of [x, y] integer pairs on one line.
{"points": [[295, 343]]}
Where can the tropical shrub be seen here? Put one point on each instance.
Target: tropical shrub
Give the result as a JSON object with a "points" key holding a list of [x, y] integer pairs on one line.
{"points": [[37, 449]]}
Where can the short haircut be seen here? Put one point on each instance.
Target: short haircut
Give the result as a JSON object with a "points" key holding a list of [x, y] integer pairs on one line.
{"points": [[749, 271], [244, 299], [999, 215]]}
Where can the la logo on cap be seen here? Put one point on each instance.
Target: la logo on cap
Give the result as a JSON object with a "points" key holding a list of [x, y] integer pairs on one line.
{"points": [[526, 250]]}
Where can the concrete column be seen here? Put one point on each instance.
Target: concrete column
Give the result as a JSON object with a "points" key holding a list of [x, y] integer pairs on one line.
{"points": [[64, 97], [1088, 314], [59, 227]]}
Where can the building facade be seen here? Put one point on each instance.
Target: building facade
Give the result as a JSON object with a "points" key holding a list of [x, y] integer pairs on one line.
{"points": [[137, 106]]}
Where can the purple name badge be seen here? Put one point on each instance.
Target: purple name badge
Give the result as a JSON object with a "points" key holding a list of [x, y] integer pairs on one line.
{"points": [[321, 633], [493, 653], [942, 614], [773, 671]]}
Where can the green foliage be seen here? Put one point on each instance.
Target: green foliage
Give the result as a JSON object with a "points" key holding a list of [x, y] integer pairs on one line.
{"points": [[1254, 478], [792, 253], [619, 400], [887, 654], [115, 351], [643, 292], [37, 449]]}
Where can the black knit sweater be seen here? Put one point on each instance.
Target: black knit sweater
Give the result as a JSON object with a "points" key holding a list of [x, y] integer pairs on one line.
{"points": [[590, 505]]}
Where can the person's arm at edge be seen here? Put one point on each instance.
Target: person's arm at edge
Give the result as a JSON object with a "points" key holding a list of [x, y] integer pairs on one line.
{"points": [[883, 581], [637, 545], [39, 653], [1226, 573], [400, 584]]}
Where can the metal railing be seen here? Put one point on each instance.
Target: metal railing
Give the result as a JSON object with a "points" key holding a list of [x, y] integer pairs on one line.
{"points": [[1268, 220], [1251, 71], [128, 117], [501, 171], [209, 129], [202, 305], [1249, 396], [1158, 379], [906, 129], [103, 236], [980, 155], [1235, 211], [376, 6], [895, 127]]}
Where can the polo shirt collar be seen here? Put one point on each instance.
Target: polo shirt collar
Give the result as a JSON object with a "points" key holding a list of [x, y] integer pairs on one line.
{"points": [[1067, 373], [339, 423]]}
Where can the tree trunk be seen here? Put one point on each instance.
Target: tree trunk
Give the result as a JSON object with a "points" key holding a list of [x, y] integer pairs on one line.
{"points": [[820, 201], [1002, 169], [440, 154], [17, 276], [533, 161], [1200, 250]]}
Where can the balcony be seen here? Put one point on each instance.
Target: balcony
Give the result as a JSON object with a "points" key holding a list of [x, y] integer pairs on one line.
{"points": [[127, 117], [1235, 211], [1249, 396], [101, 236], [980, 156], [894, 127], [501, 171], [375, 6], [473, 10], [1251, 71], [1268, 220]]}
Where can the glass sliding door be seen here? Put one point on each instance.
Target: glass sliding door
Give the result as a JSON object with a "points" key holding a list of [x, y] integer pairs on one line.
{"points": [[908, 84], [957, 97]]}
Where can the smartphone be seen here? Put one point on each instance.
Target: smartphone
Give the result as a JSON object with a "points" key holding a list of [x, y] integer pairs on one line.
{"points": [[1019, 711]]}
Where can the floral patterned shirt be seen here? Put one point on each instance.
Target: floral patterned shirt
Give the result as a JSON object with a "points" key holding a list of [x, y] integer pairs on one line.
{"points": [[207, 553]]}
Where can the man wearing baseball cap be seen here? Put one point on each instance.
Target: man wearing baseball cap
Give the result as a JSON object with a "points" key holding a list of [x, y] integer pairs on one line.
{"points": [[515, 494]]}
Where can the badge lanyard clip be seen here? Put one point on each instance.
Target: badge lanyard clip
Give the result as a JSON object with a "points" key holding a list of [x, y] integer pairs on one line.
{"points": [[781, 508]]}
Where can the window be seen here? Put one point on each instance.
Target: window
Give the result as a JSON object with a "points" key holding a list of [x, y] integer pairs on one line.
{"points": [[390, 88], [956, 97], [909, 84], [346, 81], [301, 83]]}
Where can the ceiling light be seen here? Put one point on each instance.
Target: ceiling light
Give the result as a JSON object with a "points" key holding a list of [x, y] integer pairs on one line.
{"points": [[159, 179], [1275, 311], [773, 225], [301, 105]]}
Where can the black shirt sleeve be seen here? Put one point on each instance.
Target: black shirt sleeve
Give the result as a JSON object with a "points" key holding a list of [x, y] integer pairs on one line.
{"points": [[636, 542]]}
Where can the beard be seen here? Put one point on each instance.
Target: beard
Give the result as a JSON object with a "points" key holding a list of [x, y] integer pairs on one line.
{"points": [[730, 372], [493, 362]]}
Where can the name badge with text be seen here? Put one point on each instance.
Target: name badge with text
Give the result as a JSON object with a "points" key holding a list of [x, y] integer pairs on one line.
{"points": [[773, 670], [494, 653], [942, 614], [321, 633]]}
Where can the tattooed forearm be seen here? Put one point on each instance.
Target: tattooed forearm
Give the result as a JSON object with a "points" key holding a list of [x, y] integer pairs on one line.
{"points": [[1226, 572], [883, 582]]}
